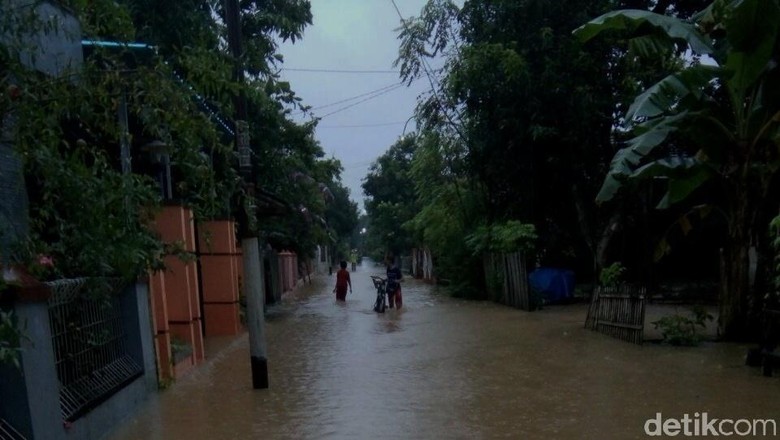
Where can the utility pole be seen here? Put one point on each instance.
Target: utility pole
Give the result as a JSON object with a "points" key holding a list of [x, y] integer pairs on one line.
{"points": [[253, 276]]}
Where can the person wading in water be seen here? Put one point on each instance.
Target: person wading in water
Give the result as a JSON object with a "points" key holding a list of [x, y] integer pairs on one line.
{"points": [[342, 282], [394, 276]]}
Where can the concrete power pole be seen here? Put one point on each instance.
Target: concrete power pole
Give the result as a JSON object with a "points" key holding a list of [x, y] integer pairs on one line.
{"points": [[253, 276]]}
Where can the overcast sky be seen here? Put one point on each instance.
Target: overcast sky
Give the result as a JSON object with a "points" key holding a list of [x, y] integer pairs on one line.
{"points": [[357, 35]]}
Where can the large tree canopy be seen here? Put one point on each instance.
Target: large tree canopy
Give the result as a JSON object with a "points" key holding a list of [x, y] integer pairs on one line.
{"points": [[521, 123], [288, 160], [390, 199], [710, 125], [178, 86], [524, 114]]}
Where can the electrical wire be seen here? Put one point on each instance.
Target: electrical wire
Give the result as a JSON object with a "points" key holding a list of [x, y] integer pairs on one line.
{"points": [[352, 166], [376, 95], [351, 98], [378, 124], [388, 87], [432, 80], [292, 69]]}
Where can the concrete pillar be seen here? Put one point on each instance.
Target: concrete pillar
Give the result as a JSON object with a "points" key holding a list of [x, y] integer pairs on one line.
{"points": [[219, 264], [182, 295]]}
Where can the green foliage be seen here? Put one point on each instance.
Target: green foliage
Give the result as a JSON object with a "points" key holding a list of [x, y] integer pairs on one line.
{"points": [[287, 160], [510, 236], [180, 349], [686, 105], [342, 216], [773, 295], [631, 20], [89, 218], [523, 114], [391, 200], [709, 126], [85, 215], [684, 330], [612, 275], [449, 208], [11, 336], [318, 210], [95, 213]]}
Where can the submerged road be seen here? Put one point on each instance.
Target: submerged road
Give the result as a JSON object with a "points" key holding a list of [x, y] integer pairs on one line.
{"points": [[446, 368]]}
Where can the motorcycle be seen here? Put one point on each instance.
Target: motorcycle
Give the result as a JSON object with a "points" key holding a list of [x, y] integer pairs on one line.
{"points": [[386, 293]]}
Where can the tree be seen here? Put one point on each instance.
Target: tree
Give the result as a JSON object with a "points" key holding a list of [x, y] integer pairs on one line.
{"points": [[287, 159], [710, 125], [450, 209], [390, 199], [341, 215], [86, 214], [530, 109]]}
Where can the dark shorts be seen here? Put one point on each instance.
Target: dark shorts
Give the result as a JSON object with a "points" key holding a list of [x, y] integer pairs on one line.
{"points": [[341, 293]]}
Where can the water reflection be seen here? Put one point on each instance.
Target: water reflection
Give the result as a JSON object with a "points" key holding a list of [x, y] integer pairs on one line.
{"points": [[445, 368]]}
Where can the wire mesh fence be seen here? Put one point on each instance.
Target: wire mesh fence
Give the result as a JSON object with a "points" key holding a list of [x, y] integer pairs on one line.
{"points": [[89, 343], [8, 432]]}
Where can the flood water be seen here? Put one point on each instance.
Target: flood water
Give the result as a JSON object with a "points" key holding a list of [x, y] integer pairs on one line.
{"points": [[446, 368]]}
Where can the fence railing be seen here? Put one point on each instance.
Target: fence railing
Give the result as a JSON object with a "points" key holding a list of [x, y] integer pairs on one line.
{"points": [[507, 279], [7, 432], [89, 343], [422, 264], [618, 312]]}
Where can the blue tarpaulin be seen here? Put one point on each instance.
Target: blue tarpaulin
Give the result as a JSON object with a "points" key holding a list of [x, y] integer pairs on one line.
{"points": [[554, 284]]}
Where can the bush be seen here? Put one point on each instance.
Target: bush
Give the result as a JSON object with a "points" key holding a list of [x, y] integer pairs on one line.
{"points": [[11, 337], [684, 330], [612, 275]]}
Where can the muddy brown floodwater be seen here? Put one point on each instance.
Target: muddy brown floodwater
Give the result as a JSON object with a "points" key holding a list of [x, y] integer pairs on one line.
{"points": [[446, 368]]}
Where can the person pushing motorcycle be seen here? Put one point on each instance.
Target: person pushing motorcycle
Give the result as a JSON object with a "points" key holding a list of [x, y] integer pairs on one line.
{"points": [[394, 276]]}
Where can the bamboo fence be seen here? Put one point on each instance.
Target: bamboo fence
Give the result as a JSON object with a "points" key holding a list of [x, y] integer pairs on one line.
{"points": [[618, 312]]}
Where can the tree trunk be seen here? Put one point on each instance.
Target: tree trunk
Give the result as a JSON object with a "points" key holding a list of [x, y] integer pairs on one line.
{"points": [[732, 323], [735, 285], [607, 234]]}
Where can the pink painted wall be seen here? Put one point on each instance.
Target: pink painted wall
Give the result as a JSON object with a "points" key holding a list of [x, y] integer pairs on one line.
{"points": [[288, 270], [176, 298], [219, 261]]}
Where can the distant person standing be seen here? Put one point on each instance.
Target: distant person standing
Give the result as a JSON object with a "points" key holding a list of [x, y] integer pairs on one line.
{"points": [[342, 282], [353, 259]]}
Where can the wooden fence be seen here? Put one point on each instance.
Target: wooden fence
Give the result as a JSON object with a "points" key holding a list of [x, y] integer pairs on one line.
{"points": [[422, 264], [618, 312], [507, 280]]}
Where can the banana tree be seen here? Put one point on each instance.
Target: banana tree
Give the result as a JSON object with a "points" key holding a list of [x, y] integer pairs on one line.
{"points": [[714, 123]]}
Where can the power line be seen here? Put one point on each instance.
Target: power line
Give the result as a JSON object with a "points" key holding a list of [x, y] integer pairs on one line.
{"points": [[378, 124], [291, 69], [371, 92], [376, 95], [399, 13], [352, 166], [431, 80], [351, 98]]}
